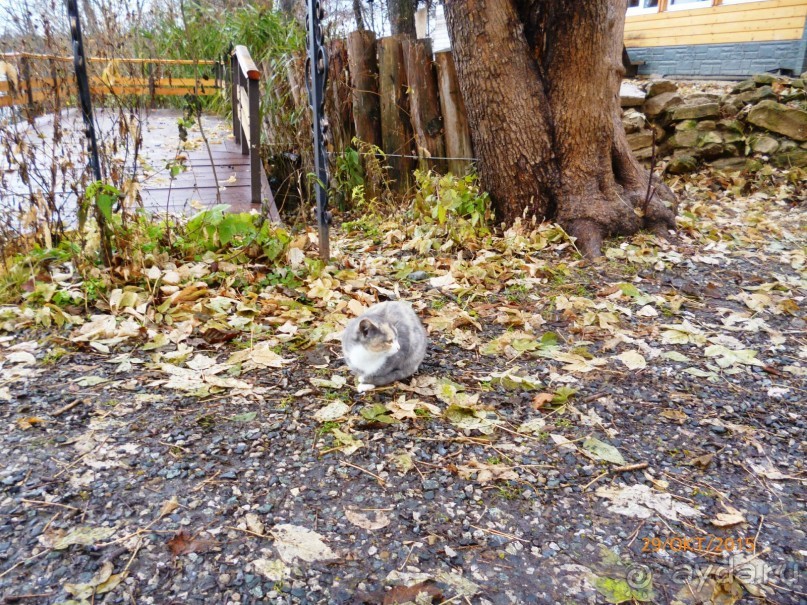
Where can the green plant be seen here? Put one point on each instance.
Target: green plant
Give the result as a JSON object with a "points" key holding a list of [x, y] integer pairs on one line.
{"points": [[327, 427], [509, 491], [54, 355], [206, 421], [101, 197], [347, 180], [215, 229], [456, 204]]}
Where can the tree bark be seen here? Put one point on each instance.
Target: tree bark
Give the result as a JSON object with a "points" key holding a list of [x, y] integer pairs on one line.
{"points": [[505, 99], [402, 17], [565, 66]]}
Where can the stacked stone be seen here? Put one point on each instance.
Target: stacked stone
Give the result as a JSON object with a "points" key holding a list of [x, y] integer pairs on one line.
{"points": [[764, 116]]}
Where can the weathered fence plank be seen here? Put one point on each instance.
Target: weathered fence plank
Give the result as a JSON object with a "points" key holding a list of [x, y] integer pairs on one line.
{"points": [[396, 130], [338, 99], [424, 104], [361, 47], [455, 119]]}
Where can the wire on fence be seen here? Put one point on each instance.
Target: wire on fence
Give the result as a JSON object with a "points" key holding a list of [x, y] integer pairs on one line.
{"points": [[397, 155]]}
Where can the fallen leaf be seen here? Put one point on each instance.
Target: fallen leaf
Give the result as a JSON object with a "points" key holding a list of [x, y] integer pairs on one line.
{"points": [[82, 534], [29, 422], [335, 382], [377, 412], [640, 501], [254, 523], [184, 543], [420, 593], [403, 461], [731, 517], [603, 451], [633, 360], [333, 411], [369, 520], [90, 381], [766, 469], [675, 415], [274, 570], [702, 461], [294, 542], [21, 357], [541, 399], [469, 419], [169, 506], [483, 472]]}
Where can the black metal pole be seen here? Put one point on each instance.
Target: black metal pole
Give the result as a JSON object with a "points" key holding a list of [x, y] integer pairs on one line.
{"points": [[316, 79], [83, 83]]}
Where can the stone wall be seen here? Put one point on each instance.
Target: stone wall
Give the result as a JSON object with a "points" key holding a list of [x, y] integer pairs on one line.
{"points": [[762, 119], [729, 60]]}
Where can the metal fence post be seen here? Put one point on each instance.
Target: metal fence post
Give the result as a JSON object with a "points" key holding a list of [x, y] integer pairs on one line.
{"points": [[26, 76], [255, 140], [317, 68], [234, 81], [243, 88], [83, 85]]}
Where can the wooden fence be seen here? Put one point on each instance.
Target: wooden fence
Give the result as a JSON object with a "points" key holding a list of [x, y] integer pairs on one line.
{"points": [[43, 82], [246, 107], [396, 94]]}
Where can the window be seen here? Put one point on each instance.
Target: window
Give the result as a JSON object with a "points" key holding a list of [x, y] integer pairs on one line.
{"points": [[680, 5], [642, 7]]}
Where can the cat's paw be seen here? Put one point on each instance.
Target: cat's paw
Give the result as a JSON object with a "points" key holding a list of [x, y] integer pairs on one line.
{"points": [[364, 387]]}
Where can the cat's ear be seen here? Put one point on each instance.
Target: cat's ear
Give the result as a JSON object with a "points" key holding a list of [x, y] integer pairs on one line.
{"points": [[366, 327]]}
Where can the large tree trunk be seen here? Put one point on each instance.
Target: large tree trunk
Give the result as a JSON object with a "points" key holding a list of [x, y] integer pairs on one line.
{"points": [[402, 16], [541, 80]]}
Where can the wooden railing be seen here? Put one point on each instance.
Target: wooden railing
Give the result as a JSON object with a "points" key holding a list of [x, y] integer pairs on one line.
{"points": [[245, 97], [27, 89]]}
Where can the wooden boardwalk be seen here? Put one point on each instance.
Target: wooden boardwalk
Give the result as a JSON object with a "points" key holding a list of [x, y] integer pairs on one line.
{"points": [[201, 184], [196, 186]]}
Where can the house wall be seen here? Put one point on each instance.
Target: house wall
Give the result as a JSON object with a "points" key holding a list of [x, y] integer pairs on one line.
{"points": [[731, 40], [725, 40]]}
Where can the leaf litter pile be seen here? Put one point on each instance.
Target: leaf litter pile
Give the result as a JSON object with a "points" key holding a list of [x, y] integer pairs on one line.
{"points": [[631, 430]]}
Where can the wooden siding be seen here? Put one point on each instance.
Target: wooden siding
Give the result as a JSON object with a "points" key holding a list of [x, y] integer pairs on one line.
{"points": [[764, 21]]}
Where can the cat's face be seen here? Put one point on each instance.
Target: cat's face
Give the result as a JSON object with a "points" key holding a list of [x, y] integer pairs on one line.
{"points": [[378, 337]]}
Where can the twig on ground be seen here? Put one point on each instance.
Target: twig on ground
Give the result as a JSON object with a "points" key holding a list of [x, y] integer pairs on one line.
{"points": [[67, 408], [364, 470], [496, 532], [43, 503], [630, 467]]}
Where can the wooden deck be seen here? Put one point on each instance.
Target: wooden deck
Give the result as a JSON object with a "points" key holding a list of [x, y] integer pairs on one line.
{"points": [[200, 185]]}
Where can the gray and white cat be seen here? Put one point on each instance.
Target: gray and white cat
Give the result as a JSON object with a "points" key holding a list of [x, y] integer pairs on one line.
{"points": [[385, 344]]}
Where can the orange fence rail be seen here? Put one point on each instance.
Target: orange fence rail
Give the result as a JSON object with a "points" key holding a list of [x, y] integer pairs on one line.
{"points": [[21, 88]]}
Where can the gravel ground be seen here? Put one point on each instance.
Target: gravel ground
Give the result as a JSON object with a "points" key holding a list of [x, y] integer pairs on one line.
{"points": [[185, 499]]}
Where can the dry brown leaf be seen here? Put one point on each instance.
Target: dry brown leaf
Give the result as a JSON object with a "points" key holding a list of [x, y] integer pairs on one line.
{"points": [[486, 473], [732, 516], [674, 415], [702, 461], [184, 543], [169, 506], [29, 422], [408, 594], [369, 520], [541, 399]]}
